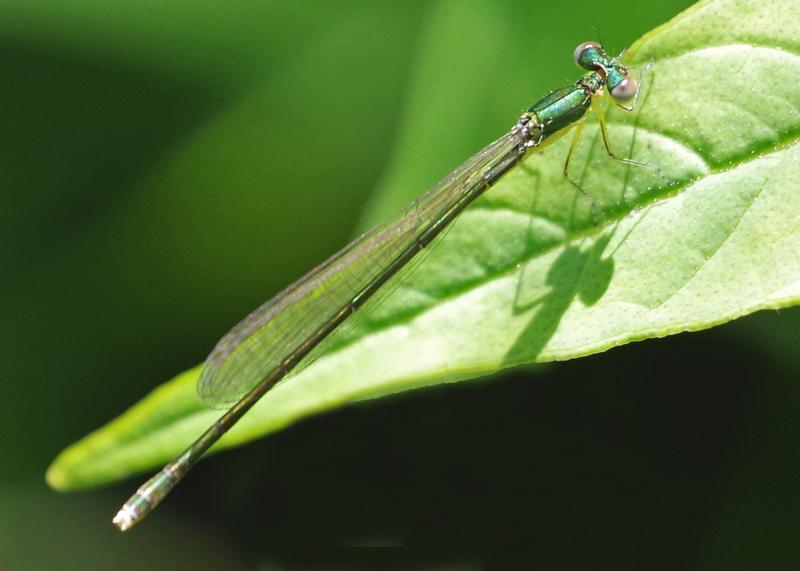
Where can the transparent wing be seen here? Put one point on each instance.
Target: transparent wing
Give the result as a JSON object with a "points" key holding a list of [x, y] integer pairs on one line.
{"points": [[254, 347]]}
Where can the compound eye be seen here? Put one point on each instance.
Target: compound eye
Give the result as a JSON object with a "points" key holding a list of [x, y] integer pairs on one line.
{"points": [[625, 90], [580, 54]]}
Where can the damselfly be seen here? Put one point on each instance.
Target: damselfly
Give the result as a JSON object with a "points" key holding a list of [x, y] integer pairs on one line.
{"points": [[281, 336]]}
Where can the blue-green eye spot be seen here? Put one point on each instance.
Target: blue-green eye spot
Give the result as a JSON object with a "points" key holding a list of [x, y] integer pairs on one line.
{"points": [[625, 90], [587, 54]]}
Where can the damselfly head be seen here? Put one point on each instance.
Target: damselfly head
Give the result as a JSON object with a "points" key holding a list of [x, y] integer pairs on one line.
{"points": [[590, 56], [620, 85], [624, 90]]}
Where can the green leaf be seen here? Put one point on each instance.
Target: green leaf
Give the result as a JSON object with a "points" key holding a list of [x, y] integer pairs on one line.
{"points": [[532, 273]]}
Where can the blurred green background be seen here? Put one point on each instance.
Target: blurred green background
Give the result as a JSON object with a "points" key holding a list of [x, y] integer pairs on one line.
{"points": [[165, 168]]}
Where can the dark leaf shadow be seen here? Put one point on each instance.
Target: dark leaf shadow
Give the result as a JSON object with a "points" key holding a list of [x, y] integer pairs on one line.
{"points": [[576, 273]]}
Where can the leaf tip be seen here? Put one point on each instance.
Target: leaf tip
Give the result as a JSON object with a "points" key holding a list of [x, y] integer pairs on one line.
{"points": [[56, 476]]}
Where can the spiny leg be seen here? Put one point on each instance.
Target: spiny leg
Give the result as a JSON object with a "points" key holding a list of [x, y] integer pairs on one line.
{"points": [[629, 108], [575, 137], [601, 118]]}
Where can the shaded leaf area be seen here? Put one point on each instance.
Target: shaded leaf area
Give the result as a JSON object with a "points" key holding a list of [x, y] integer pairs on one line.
{"points": [[532, 272]]}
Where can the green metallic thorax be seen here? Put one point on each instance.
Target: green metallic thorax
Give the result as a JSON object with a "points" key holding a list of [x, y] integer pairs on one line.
{"points": [[565, 106], [561, 108]]}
